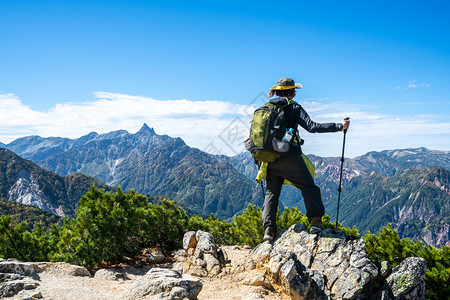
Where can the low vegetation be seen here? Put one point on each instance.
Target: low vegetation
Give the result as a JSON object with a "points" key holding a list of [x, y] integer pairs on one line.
{"points": [[109, 226]]}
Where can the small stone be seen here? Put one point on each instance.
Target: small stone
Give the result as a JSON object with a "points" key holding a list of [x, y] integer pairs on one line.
{"points": [[216, 270], [211, 261], [179, 253], [79, 271], [104, 274], [385, 269], [200, 262], [222, 256], [256, 278], [155, 256], [198, 271], [30, 285]]}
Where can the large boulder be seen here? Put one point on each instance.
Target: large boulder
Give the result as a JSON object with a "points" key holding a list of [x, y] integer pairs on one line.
{"points": [[330, 265], [159, 283], [406, 280]]}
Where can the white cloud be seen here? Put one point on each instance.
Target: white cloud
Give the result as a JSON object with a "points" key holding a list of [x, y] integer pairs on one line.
{"points": [[425, 84], [412, 84], [219, 126]]}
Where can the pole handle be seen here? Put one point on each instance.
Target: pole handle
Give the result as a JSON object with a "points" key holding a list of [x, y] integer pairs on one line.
{"points": [[345, 119]]}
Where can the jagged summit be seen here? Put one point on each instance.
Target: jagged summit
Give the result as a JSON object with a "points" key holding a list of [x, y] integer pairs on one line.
{"points": [[145, 129]]}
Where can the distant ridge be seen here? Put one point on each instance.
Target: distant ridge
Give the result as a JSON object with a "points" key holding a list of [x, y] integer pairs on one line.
{"points": [[25, 182], [377, 189], [150, 164]]}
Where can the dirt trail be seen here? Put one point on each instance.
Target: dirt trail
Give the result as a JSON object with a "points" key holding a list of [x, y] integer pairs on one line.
{"points": [[56, 285]]}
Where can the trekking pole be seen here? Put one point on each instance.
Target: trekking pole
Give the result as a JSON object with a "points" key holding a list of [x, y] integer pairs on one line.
{"points": [[340, 177]]}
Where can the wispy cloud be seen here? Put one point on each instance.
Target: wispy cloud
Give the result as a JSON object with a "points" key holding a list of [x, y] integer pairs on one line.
{"points": [[412, 84], [219, 126]]}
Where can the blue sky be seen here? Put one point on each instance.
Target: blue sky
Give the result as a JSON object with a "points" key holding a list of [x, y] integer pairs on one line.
{"points": [[192, 68]]}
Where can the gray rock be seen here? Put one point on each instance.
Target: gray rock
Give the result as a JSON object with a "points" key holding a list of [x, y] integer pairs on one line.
{"points": [[385, 269], [105, 274], [222, 256], [311, 266], [198, 262], [211, 261], [180, 253], [206, 258], [197, 271], [61, 268], [406, 280], [317, 288], [167, 284], [292, 283], [333, 233], [205, 244], [255, 278], [189, 240], [14, 277], [155, 256], [13, 287], [4, 277], [16, 267]]}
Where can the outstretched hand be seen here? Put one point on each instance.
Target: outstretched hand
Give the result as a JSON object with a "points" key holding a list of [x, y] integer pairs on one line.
{"points": [[345, 124]]}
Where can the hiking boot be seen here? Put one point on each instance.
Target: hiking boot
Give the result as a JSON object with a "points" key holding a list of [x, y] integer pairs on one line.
{"points": [[316, 225], [269, 236]]}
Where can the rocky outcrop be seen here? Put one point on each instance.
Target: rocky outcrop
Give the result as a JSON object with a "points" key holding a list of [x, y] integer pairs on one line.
{"points": [[331, 265], [16, 279], [165, 284], [200, 255]]}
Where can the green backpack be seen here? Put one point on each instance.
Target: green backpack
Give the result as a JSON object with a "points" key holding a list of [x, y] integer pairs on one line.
{"points": [[266, 133]]}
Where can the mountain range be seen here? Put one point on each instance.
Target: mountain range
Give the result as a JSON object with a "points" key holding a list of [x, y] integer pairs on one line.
{"points": [[378, 187], [150, 164]]}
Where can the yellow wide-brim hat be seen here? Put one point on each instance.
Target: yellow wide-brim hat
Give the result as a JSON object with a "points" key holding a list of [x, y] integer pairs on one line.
{"points": [[286, 84]]}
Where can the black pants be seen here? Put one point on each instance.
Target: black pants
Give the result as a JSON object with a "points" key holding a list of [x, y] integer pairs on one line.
{"points": [[292, 168]]}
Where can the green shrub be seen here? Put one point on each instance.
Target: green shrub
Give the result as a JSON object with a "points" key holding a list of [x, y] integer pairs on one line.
{"points": [[167, 225], [388, 246], [247, 228], [109, 225], [17, 242]]}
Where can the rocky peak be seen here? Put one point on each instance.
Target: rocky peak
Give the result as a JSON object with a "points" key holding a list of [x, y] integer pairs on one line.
{"points": [[145, 129]]}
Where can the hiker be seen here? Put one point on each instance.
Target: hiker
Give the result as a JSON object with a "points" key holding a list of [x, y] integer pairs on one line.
{"points": [[290, 165]]}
